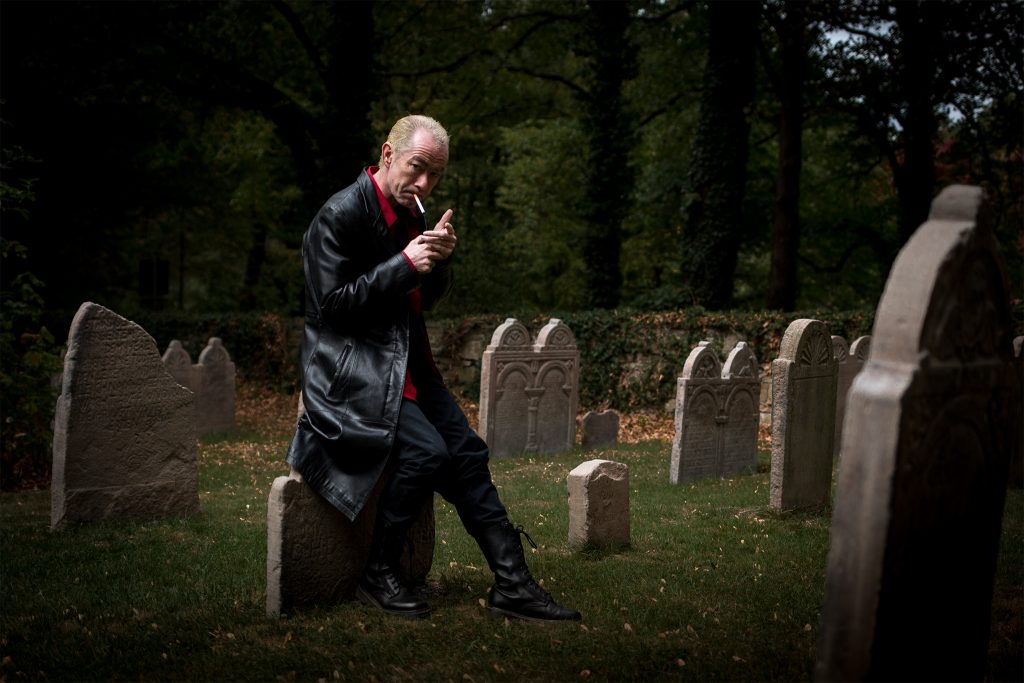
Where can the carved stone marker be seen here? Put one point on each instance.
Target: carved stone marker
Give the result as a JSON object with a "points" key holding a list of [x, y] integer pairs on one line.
{"points": [[803, 417], [529, 394], [124, 442], [315, 555], [922, 479], [717, 415], [849, 361], [600, 430], [599, 504], [212, 380]]}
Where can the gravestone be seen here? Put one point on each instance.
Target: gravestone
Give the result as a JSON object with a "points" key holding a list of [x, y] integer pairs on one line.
{"points": [[179, 364], [124, 442], [315, 554], [529, 393], [212, 380], [717, 415], [215, 383], [922, 480], [599, 504], [600, 430], [803, 417], [849, 361]]}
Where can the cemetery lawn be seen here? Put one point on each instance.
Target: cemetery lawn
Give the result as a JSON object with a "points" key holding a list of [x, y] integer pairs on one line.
{"points": [[716, 586]]}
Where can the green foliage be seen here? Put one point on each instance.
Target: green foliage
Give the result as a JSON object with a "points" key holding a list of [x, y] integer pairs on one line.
{"points": [[29, 362]]}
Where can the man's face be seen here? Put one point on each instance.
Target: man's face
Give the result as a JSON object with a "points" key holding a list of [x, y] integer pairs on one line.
{"points": [[416, 171]]}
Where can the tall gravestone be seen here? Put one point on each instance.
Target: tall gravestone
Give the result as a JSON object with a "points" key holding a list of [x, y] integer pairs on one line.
{"points": [[849, 361], [717, 415], [922, 479], [315, 554], [803, 417], [529, 393], [124, 442]]}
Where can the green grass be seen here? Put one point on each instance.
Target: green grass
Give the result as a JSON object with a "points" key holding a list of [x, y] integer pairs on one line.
{"points": [[714, 587]]}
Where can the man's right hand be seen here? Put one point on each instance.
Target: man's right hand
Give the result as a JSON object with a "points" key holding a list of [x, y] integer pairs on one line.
{"points": [[424, 251]]}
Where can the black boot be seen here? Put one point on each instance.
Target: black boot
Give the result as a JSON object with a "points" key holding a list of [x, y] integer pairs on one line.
{"points": [[380, 585], [515, 593]]}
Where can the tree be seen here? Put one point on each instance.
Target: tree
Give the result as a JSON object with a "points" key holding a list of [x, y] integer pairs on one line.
{"points": [[609, 181], [716, 182], [790, 23]]}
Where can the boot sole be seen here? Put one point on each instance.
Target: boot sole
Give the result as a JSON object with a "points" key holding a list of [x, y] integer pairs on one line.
{"points": [[369, 600]]}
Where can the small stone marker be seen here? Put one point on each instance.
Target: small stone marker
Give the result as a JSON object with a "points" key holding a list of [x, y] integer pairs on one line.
{"points": [[717, 415], [803, 417], [124, 442], [849, 361], [600, 430], [315, 555], [599, 504], [529, 394], [922, 479]]}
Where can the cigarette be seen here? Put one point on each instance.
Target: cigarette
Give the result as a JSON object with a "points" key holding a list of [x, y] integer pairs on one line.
{"points": [[420, 204]]}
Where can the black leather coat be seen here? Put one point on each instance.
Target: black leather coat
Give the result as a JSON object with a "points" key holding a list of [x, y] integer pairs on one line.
{"points": [[355, 347]]}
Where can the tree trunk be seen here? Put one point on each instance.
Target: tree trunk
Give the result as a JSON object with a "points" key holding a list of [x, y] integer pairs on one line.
{"points": [[609, 185], [782, 279], [915, 176], [713, 205]]}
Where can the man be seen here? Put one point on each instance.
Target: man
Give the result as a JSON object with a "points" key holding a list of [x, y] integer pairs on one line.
{"points": [[370, 387]]}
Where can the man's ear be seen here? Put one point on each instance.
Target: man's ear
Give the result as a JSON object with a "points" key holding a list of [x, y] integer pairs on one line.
{"points": [[386, 154]]}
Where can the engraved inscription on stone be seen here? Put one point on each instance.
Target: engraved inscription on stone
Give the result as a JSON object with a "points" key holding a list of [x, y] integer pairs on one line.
{"points": [[803, 417], [529, 393], [124, 434], [716, 416]]}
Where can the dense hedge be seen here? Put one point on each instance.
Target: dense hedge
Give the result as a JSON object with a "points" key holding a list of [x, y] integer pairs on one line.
{"points": [[631, 359], [263, 346]]}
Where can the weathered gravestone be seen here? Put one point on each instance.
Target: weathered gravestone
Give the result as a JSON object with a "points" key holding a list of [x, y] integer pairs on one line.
{"points": [[179, 364], [599, 504], [315, 555], [529, 394], [849, 361], [803, 417], [215, 395], [717, 415], [212, 380], [124, 442], [922, 480], [600, 430]]}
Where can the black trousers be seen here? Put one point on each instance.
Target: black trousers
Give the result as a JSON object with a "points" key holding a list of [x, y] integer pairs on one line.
{"points": [[436, 450]]}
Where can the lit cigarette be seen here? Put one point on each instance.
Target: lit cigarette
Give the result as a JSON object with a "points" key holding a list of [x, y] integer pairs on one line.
{"points": [[420, 204]]}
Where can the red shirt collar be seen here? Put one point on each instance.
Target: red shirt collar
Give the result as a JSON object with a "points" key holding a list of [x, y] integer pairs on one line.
{"points": [[390, 217]]}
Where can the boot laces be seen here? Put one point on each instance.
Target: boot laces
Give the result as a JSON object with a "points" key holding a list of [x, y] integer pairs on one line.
{"points": [[522, 532]]}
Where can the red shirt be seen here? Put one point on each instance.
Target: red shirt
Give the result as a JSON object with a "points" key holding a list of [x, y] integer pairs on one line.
{"points": [[406, 227]]}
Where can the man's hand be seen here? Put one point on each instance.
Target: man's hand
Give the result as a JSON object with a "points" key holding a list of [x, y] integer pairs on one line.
{"points": [[432, 246]]}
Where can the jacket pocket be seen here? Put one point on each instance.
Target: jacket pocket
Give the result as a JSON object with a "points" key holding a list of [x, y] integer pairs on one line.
{"points": [[340, 375]]}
